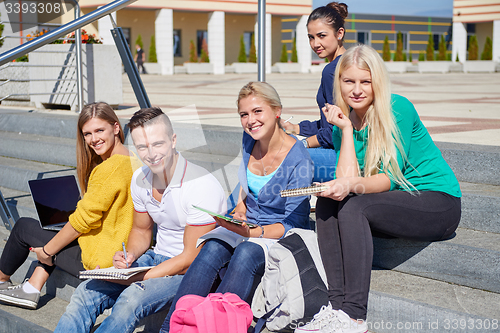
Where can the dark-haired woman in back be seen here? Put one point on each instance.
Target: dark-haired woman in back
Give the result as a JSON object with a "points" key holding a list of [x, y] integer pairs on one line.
{"points": [[325, 27]]}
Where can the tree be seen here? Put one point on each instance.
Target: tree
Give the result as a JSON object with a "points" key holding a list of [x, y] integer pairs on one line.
{"points": [[411, 57], [252, 56], [398, 56], [294, 57], [152, 50], [138, 41], [421, 56], [284, 54], [430, 49], [242, 56], [204, 51], [473, 48], [386, 50], [193, 57], [488, 50], [442, 49]]}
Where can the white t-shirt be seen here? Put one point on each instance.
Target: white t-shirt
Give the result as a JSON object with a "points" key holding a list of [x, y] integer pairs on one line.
{"points": [[190, 185]]}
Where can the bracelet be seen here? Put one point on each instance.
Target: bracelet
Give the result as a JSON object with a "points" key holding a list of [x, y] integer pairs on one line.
{"points": [[306, 144], [262, 234], [43, 249]]}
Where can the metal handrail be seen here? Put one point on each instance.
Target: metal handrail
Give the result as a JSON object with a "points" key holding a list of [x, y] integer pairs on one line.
{"points": [[63, 30]]}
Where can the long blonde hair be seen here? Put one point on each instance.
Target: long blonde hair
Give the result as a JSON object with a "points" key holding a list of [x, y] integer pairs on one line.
{"points": [[384, 138], [86, 158]]}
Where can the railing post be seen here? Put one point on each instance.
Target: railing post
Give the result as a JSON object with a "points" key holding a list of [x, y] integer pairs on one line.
{"points": [[261, 63]]}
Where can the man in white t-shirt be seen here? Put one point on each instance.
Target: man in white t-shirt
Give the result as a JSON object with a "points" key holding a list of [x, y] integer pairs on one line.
{"points": [[164, 192]]}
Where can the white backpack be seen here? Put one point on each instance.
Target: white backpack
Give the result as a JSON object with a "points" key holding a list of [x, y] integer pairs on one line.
{"points": [[293, 288]]}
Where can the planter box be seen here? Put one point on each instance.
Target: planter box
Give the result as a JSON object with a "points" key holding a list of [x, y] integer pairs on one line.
{"points": [[317, 68], [396, 66], [244, 67], [199, 68], [287, 67], [479, 66], [152, 67], [434, 66], [54, 82]]}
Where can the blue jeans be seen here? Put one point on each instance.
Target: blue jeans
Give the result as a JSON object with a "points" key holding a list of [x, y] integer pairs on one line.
{"points": [[324, 163], [244, 272], [130, 303]]}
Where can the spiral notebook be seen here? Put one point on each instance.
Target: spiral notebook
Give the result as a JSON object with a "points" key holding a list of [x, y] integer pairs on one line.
{"points": [[112, 273], [303, 191]]}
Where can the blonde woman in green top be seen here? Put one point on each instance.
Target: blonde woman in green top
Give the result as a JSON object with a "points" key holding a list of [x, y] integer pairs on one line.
{"points": [[390, 178]]}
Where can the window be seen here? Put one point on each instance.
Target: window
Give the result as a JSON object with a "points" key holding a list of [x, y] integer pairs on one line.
{"points": [[406, 40], [177, 43], [435, 37], [201, 35], [363, 37], [247, 39]]}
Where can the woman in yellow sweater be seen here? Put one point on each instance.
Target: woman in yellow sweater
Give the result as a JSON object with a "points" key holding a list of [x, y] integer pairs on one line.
{"points": [[101, 221]]}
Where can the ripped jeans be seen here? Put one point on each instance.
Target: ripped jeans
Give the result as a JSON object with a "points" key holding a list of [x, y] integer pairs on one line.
{"points": [[130, 303]]}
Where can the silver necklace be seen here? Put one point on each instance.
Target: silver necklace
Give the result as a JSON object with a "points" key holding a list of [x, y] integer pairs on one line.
{"points": [[270, 166]]}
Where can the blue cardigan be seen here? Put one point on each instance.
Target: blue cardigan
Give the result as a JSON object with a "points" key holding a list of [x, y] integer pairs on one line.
{"points": [[322, 128], [295, 171]]}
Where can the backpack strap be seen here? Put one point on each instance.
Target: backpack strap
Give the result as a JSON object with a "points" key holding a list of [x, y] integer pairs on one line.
{"points": [[262, 320]]}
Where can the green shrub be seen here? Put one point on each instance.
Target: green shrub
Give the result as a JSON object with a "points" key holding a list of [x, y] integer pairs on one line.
{"points": [[398, 56], [411, 57], [442, 49], [488, 50], [242, 56], [193, 57], [386, 51], [430, 49], [421, 56], [152, 50], [204, 51], [252, 55], [473, 48], [284, 54]]}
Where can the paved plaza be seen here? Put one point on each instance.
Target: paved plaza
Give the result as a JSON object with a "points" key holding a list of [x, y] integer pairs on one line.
{"points": [[455, 107]]}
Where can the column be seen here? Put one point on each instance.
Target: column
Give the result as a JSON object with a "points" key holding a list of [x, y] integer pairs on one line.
{"points": [[268, 41], [303, 48], [104, 25], [164, 40], [496, 40], [459, 42], [216, 41]]}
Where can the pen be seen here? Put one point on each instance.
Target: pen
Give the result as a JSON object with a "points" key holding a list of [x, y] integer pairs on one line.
{"points": [[288, 119], [125, 253]]}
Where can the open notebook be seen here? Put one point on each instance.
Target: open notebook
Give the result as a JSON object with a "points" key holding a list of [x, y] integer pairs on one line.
{"points": [[112, 273]]}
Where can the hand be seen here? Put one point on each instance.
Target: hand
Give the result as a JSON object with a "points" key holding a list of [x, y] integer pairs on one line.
{"points": [[41, 256], [338, 189], [335, 116], [243, 230], [289, 127], [119, 259]]}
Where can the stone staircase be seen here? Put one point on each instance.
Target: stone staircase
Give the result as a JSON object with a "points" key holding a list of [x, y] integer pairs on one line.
{"points": [[445, 286]]}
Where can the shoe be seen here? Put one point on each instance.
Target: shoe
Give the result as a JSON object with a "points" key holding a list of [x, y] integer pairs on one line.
{"points": [[328, 320], [17, 296], [347, 325], [6, 285], [323, 322]]}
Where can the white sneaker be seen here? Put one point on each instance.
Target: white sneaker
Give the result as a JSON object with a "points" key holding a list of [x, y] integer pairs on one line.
{"points": [[328, 320], [346, 325], [323, 322]]}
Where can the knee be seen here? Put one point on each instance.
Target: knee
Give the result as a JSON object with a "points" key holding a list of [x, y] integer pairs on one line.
{"points": [[248, 252], [211, 251], [25, 223]]}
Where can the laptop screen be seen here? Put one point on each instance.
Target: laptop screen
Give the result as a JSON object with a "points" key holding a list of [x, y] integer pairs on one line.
{"points": [[55, 198]]}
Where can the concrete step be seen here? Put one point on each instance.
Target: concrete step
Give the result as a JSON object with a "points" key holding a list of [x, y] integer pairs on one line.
{"points": [[471, 258], [401, 302], [480, 207], [16, 172], [35, 147]]}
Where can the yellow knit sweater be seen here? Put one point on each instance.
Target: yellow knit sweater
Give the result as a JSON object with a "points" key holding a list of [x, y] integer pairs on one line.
{"points": [[104, 215]]}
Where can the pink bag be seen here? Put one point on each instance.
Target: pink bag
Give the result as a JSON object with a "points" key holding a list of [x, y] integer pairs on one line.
{"points": [[216, 313]]}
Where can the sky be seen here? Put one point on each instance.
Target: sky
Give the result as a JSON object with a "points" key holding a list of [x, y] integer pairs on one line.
{"points": [[436, 8]]}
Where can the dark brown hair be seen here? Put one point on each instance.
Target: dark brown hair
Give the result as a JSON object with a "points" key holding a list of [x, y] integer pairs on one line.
{"points": [[333, 14], [149, 116]]}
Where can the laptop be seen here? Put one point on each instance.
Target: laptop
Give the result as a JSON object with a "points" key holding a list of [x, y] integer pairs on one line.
{"points": [[55, 200]]}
